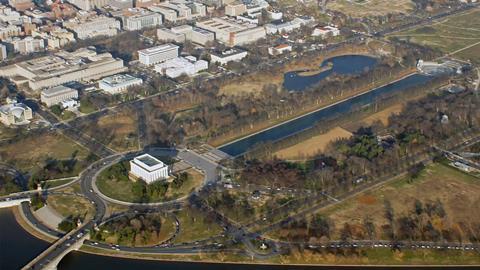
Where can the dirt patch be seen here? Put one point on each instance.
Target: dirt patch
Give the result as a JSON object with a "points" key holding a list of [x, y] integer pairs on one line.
{"points": [[367, 199], [313, 145], [383, 115]]}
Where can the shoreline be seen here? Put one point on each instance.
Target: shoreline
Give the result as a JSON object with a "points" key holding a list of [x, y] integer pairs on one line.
{"points": [[259, 263], [26, 226], [189, 258], [408, 74]]}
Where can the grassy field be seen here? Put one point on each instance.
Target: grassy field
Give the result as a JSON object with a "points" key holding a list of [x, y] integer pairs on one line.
{"points": [[195, 226], [313, 145], [32, 151], [363, 8], [70, 205], [459, 193], [450, 35]]}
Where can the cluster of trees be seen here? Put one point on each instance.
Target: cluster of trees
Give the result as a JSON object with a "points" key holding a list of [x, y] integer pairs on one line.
{"points": [[135, 230], [232, 205], [366, 156], [69, 223], [426, 221], [54, 168], [9, 184]]}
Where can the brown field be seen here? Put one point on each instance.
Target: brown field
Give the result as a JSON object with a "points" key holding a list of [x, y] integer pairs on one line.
{"points": [[70, 205], [459, 193], [383, 115], [313, 145], [32, 151], [362, 8], [121, 128]]}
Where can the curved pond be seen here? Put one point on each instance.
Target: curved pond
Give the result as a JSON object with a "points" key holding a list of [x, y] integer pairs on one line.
{"points": [[343, 65]]}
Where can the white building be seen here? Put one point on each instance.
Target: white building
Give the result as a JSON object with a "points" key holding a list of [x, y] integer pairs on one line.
{"points": [[89, 4], [148, 168], [118, 83], [57, 95], [275, 14], [62, 67], [185, 32], [222, 58], [15, 114], [286, 27], [280, 49], [93, 26], [3, 52], [179, 10], [233, 32], [235, 9], [136, 19], [176, 67], [326, 31], [27, 45], [158, 54]]}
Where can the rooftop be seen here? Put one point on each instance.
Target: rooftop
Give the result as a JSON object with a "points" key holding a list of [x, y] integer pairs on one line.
{"points": [[57, 90], [148, 162], [119, 79], [158, 49]]}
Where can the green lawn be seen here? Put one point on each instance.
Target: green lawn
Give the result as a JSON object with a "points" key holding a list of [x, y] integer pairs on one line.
{"points": [[195, 226]]}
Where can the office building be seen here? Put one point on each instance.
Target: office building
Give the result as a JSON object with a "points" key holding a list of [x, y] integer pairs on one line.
{"points": [[326, 31], [57, 95], [179, 66], [62, 67], [94, 26], [224, 57], [280, 49], [136, 19], [3, 52], [235, 9], [89, 4], [186, 32], [286, 27], [27, 45], [148, 169], [9, 30], [158, 54], [174, 11], [233, 32], [118, 83]]}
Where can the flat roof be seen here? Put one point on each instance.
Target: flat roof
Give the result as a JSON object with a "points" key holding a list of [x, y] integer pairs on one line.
{"points": [[57, 90], [157, 49], [119, 79], [148, 162]]}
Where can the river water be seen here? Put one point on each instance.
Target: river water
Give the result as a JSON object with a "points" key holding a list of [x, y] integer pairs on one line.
{"points": [[342, 65]]}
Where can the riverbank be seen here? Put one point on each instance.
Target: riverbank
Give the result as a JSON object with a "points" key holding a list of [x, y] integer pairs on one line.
{"points": [[363, 258], [26, 226], [264, 126]]}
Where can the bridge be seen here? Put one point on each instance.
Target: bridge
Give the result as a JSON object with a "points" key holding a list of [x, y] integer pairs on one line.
{"points": [[9, 203], [51, 257]]}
